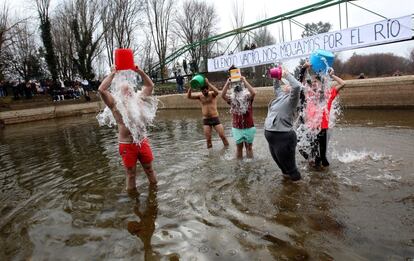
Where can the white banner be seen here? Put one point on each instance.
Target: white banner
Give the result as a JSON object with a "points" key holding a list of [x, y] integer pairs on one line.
{"points": [[385, 31]]}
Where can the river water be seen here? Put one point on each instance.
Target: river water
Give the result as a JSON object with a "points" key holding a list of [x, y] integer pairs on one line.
{"points": [[62, 194]]}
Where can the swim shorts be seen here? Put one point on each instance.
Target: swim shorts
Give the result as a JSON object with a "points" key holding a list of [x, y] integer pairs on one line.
{"points": [[244, 135], [131, 152], [211, 121]]}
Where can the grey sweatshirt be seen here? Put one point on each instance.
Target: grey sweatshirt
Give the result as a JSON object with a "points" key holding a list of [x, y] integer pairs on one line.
{"points": [[282, 109]]}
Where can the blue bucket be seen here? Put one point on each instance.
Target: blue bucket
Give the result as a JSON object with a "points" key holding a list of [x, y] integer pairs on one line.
{"points": [[320, 60]]}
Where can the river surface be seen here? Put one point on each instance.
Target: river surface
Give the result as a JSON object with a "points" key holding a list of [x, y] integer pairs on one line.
{"points": [[62, 194]]}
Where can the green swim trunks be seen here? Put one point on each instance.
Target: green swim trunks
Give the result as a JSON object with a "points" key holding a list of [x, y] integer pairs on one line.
{"points": [[243, 135]]}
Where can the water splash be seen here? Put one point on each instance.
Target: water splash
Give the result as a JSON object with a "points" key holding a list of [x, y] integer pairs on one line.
{"points": [[350, 156], [239, 99], [136, 110], [311, 113]]}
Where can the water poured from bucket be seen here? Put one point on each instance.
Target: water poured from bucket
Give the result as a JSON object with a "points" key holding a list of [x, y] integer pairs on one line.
{"points": [[311, 114], [137, 111], [239, 97], [321, 60]]}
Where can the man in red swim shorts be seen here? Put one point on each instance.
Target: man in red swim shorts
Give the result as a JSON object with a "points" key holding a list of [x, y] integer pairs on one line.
{"points": [[130, 152]]}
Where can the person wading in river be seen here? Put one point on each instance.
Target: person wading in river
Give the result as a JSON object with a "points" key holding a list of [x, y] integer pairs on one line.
{"points": [[130, 151], [208, 100], [322, 144], [243, 126], [278, 126]]}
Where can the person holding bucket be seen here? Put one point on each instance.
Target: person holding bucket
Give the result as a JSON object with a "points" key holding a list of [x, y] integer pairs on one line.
{"points": [[322, 138], [208, 101], [129, 150], [241, 102], [278, 125], [319, 99]]}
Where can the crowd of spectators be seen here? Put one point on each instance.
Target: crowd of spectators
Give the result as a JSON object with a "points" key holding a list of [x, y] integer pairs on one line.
{"points": [[58, 90]]}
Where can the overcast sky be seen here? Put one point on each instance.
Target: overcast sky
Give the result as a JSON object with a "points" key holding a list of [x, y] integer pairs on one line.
{"points": [[256, 10]]}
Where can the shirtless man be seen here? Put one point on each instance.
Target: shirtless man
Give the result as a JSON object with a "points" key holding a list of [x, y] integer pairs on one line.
{"points": [[130, 151], [208, 102]]}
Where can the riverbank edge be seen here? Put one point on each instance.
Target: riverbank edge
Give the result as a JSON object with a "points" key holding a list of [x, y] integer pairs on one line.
{"points": [[376, 93]]}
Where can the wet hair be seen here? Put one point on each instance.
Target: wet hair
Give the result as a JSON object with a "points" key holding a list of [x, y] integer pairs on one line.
{"points": [[318, 77], [238, 88]]}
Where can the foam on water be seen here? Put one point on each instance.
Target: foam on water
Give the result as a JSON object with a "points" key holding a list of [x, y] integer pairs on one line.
{"points": [[350, 156], [137, 111]]}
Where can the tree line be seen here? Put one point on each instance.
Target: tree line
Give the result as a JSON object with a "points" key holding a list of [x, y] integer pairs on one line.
{"points": [[76, 38]]}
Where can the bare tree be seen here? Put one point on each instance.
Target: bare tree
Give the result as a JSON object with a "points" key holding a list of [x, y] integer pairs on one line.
{"points": [[147, 53], [194, 23], [88, 33], [46, 35], [120, 20], [263, 37], [25, 59], [159, 19], [64, 41], [238, 21], [6, 36], [316, 28]]}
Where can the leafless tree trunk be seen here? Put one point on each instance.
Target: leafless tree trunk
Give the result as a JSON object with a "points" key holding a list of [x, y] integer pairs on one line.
{"points": [[24, 60], [6, 36], [147, 54], [263, 37], [88, 33], [238, 21], [46, 35], [64, 41], [120, 20], [159, 18], [196, 22]]}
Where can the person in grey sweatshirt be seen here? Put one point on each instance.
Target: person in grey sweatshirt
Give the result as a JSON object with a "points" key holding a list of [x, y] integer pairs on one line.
{"points": [[278, 126]]}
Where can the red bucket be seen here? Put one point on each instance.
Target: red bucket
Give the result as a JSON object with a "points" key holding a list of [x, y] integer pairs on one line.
{"points": [[124, 59]]}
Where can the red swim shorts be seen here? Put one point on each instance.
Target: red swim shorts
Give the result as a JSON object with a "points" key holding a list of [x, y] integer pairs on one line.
{"points": [[131, 152]]}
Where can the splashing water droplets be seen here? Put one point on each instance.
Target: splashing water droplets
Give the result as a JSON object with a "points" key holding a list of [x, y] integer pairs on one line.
{"points": [[308, 125], [137, 111], [239, 99]]}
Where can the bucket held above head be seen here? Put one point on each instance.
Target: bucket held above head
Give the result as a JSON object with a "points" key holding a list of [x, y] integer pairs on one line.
{"points": [[197, 81], [124, 59], [321, 60], [276, 72], [235, 75]]}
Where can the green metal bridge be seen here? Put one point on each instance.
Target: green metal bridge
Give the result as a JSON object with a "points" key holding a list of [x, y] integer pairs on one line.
{"points": [[288, 16]]}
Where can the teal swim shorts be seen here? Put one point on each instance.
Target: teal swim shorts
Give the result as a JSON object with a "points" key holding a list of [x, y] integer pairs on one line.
{"points": [[243, 135]]}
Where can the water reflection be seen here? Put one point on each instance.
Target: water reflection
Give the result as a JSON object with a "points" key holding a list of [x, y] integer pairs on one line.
{"points": [[145, 227], [62, 195]]}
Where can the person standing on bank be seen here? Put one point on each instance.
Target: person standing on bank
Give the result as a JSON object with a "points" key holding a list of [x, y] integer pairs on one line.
{"points": [[278, 126], [180, 82]]}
